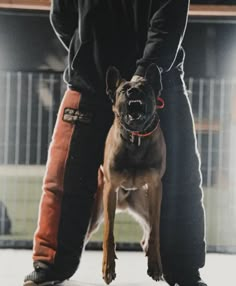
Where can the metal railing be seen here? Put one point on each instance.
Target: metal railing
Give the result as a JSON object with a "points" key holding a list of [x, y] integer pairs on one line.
{"points": [[28, 108]]}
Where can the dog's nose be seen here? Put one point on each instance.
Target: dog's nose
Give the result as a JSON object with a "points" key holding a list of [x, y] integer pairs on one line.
{"points": [[133, 91]]}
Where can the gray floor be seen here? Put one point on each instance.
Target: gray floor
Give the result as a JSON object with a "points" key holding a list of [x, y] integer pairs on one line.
{"points": [[220, 269]]}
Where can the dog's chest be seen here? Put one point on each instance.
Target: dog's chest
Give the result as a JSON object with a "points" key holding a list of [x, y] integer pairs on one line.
{"points": [[131, 174], [135, 160], [132, 167]]}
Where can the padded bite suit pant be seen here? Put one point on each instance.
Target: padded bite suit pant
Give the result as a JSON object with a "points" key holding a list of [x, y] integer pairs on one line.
{"points": [[70, 183], [182, 213]]}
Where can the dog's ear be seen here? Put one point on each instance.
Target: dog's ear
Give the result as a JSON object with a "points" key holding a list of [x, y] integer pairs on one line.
{"points": [[113, 80], [153, 76]]}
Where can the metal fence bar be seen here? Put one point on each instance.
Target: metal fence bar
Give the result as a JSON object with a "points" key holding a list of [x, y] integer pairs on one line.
{"points": [[62, 87], [50, 121], [29, 118], [210, 133], [200, 112], [7, 117], [18, 116], [190, 88], [219, 185], [232, 159], [221, 117], [232, 140], [39, 124]]}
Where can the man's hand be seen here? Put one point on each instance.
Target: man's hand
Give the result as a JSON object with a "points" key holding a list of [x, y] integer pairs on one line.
{"points": [[136, 78]]}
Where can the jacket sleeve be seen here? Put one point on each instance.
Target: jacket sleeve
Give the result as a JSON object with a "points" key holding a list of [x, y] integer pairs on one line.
{"points": [[64, 19], [165, 35]]}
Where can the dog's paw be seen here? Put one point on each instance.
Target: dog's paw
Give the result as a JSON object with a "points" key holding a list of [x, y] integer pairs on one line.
{"points": [[108, 270], [109, 277], [155, 273], [155, 268]]}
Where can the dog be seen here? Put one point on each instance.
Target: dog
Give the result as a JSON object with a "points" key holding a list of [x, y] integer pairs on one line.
{"points": [[134, 164]]}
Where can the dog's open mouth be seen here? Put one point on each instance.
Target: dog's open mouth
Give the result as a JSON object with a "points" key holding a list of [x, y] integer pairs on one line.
{"points": [[136, 109]]}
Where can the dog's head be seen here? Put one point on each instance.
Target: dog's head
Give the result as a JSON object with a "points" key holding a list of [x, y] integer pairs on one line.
{"points": [[134, 102]]}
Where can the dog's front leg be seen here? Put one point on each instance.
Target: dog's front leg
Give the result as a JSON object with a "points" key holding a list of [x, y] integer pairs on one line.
{"points": [[109, 256], [153, 252]]}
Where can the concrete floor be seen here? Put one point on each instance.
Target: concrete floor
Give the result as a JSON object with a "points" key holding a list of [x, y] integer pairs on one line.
{"points": [[131, 269]]}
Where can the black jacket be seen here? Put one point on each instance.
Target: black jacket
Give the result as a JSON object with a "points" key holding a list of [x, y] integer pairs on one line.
{"points": [[129, 34]]}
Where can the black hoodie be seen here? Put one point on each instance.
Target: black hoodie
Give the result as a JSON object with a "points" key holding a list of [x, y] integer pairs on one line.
{"points": [[129, 34]]}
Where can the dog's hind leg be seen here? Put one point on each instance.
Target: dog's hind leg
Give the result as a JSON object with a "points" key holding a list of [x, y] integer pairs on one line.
{"points": [[109, 256], [97, 211]]}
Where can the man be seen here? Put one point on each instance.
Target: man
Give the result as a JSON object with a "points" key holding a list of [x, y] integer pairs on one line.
{"points": [[128, 34]]}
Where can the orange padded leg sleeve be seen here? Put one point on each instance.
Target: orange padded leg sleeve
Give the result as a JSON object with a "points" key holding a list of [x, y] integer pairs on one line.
{"points": [[45, 238]]}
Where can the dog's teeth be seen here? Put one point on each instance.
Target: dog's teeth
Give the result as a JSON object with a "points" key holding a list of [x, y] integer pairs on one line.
{"points": [[135, 101]]}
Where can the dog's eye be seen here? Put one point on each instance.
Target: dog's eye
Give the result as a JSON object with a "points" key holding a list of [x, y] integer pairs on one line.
{"points": [[122, 92]]}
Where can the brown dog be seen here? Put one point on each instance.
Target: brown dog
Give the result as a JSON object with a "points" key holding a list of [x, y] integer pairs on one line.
{"points": [[134, 163]]}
